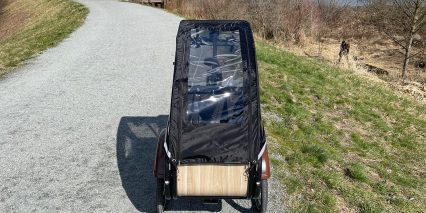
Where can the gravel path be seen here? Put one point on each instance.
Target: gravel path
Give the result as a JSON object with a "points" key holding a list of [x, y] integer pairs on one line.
{"points": [[79, 122]]}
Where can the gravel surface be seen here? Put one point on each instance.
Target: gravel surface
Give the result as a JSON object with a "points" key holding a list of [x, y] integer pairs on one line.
{"points": [[79, 122]]}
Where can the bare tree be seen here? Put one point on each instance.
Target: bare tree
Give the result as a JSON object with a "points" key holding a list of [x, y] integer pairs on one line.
{"points": [[400, 20], [330, 11]]}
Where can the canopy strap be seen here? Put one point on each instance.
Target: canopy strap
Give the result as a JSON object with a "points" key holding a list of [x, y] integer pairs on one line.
{"points": [[166, 148], [169, 155], [259, 156]]}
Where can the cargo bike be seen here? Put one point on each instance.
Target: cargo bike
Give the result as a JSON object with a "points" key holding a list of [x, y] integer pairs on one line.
{"points": [[214, 146]]}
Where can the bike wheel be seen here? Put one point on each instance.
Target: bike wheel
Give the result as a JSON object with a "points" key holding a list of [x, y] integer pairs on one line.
{"points": [[161, 200], [261, 204]]}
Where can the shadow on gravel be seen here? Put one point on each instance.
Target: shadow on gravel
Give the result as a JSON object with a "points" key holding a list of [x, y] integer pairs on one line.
{"points": [[238, 207], [136, 145]]}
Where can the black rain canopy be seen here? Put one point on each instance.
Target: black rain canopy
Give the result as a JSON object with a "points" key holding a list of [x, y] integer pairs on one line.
{"points": [[215, 109]]}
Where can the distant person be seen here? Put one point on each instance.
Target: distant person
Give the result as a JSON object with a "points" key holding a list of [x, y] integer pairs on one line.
{"points": [[344, 50]]}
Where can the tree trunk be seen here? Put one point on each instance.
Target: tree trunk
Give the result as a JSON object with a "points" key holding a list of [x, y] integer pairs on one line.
{"points": [[414, 22], [407, 56]]}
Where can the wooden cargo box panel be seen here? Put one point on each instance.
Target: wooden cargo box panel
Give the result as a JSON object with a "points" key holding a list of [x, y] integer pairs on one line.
{"points": [[212, 180]]}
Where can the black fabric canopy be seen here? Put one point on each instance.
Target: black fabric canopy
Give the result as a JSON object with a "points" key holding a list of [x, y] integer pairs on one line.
{"points": [[215, 106]]}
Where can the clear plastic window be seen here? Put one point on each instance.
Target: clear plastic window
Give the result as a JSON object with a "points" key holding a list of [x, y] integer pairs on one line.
{"points": [[215, 78]]}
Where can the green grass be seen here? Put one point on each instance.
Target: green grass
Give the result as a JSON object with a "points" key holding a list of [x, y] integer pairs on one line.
{"points": [[49, 22], [347, 142]]}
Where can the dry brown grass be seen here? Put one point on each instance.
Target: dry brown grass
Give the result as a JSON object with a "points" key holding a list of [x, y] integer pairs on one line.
{"points": [[15, 15], [28, 27], [3, 4], [379, 54]]}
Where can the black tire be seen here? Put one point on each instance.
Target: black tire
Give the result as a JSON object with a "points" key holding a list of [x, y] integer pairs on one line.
{"points": [[261, 205], [161, 201]]}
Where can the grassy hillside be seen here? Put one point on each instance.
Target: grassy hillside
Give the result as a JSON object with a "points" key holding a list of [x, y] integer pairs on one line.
{"points": [[347, 143], [28, 27]]}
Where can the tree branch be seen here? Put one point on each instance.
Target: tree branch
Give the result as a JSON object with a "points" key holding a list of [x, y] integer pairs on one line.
{"points": [[404, 10], [394, 39]]}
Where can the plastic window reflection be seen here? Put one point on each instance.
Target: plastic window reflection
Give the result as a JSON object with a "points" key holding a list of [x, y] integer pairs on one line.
{"points": [[215, 78]]}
